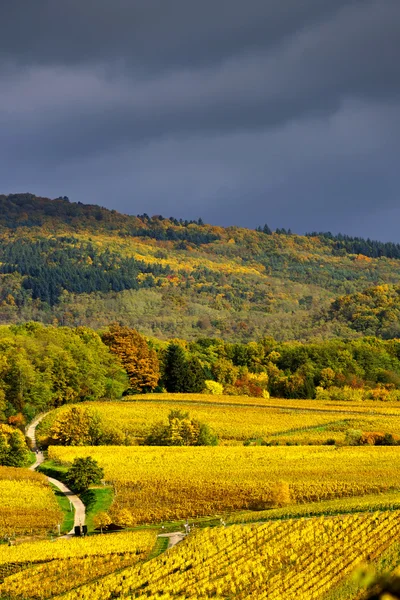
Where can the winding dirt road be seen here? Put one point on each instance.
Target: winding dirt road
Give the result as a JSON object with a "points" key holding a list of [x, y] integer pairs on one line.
{"points": [[77, 503]]}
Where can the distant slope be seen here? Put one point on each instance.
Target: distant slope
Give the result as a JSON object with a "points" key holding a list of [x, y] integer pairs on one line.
{"points": [[376, 311], [83, 264]]}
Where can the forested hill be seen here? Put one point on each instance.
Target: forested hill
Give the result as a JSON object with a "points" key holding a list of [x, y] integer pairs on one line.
{"points": [[376, 311], [77, 264]]}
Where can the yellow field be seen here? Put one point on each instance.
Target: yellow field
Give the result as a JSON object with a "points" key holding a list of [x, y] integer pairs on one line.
{"points": [[43, 569], [236, 419], [293, 559], [177, 482], [27, 503], [364, 407], [339, 506], [229, 422]]}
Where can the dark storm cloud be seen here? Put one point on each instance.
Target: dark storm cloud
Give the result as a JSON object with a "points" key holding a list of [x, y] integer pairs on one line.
{"points": [[239, 111], [149, 34]]}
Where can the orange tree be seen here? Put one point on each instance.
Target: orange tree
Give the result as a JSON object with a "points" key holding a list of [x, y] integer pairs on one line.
{"points": [[139, 361]]}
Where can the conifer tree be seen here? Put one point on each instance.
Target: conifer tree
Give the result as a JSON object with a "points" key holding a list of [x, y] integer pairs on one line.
{"points": [[195, 376], [175, 369]]}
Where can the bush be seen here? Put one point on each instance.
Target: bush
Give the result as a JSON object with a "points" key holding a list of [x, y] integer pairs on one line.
{"points": [[280, 494], [213, 387], [353, 437], [378, 438], [346, 393]]}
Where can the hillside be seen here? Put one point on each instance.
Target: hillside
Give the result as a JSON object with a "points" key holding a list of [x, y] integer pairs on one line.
{"points": [[76, 264], [375, 311]]}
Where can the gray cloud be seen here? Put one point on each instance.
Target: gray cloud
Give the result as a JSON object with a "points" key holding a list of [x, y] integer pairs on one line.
{"points": [[150, 34], [242, 112]]}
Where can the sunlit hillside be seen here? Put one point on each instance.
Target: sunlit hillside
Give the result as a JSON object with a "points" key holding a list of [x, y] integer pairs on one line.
{"points": [[79, 264]]}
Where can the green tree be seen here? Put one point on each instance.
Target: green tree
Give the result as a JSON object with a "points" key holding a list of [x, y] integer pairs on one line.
{"points": [[83, 473]]}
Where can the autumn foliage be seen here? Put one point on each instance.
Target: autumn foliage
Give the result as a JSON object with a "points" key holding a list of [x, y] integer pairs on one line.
{"points": [[139, 361]]}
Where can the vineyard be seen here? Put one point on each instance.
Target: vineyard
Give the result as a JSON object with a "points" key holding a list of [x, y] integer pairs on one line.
{"points": [[294, 521], [167, 483], [42, 569], [236, 419], [301, 558], [27, 503]]}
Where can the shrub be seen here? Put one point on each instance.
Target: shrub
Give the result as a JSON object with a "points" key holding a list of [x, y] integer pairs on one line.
{"points": [[213, 387], [353, 437], [280, 494]]}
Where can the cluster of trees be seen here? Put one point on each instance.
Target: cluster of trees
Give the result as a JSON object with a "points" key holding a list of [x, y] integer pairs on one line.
{"points": [[278, 231], [296, 370], [355, 437], [358, 245], [181, 430], [79, 426], [82, 426], [49, 267], [14, 451], [375, 311], [355, 369], [45, 367]]}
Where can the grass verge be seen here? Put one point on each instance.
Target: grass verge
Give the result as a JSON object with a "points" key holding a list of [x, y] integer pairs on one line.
{"points": [[52, 469], [160, 546], [65, 506], [96, 500]]}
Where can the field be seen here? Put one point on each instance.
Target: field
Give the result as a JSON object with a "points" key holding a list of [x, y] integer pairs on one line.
{"points": [[177, 482], [236, 419], [27, 503], [293, 520], [303, 558], [43, 569]]}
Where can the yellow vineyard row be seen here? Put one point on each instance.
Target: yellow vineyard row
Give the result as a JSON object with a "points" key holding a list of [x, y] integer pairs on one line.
{"points": [[280, 560], [130, 422], [65, 564], [179, 482], [27, 503]]}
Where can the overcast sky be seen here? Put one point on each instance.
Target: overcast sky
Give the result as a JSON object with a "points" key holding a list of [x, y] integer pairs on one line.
{"points": [[239, 111]]}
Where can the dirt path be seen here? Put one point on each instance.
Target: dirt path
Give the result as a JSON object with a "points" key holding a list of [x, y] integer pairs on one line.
{"points": [[80, 512]]}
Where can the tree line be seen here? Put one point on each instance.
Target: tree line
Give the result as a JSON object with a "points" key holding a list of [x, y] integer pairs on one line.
{"points": [[44, 367]]}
